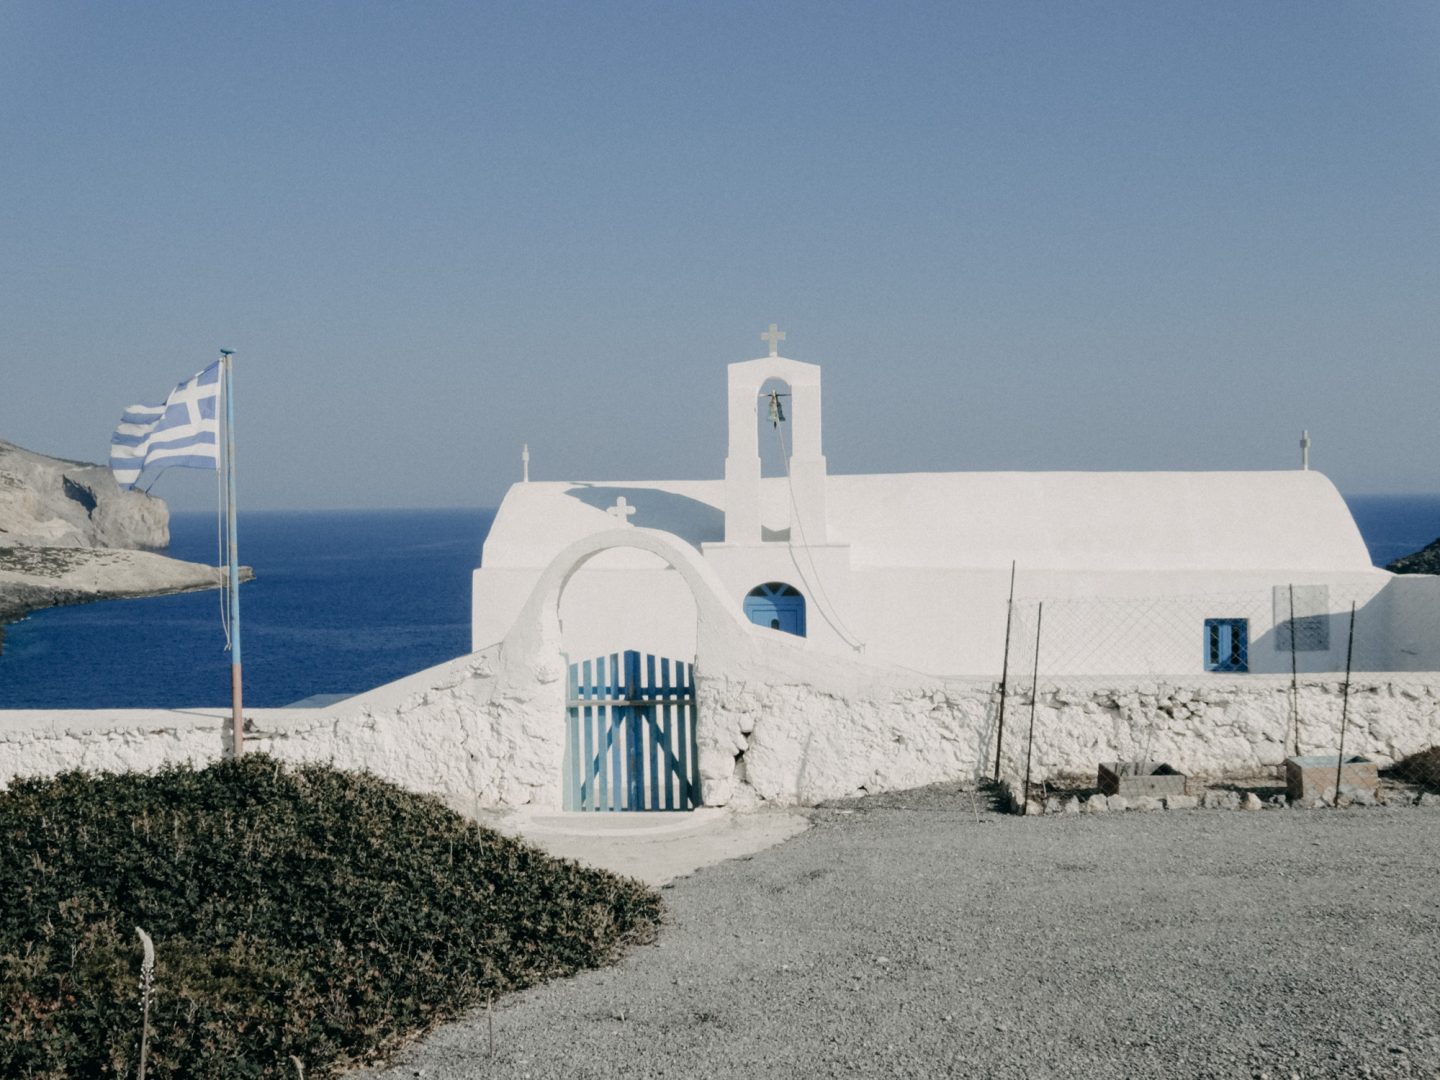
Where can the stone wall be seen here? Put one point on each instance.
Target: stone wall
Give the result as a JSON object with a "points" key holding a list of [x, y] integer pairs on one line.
{"points": [[1225, 724], [793, 742], [474, 730], [472, 733], [36, 743]]}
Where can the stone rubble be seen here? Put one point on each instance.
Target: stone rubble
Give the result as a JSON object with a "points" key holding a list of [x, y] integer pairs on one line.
{"points": [[1212, 799]]}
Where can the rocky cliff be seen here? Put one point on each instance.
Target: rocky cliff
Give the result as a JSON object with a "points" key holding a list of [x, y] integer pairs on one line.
{"points": [[51, 502], [68, 535], [1424, 561]]}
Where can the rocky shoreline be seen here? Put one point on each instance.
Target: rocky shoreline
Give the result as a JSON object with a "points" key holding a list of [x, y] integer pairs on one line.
{"points": [[32, 578], [1424, 561]]}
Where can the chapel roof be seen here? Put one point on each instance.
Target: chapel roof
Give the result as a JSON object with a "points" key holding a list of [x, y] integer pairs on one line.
{"points": [[1092, 521]]}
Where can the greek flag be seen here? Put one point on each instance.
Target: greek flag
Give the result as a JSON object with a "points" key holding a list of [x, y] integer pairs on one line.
{"points": [[184, 431]]}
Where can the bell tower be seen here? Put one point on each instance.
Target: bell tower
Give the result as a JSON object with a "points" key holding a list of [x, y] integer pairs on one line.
{"points": [[806, 464]]}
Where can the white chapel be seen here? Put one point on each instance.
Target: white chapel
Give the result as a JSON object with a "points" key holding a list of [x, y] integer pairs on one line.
{"points": [[915, 569]]}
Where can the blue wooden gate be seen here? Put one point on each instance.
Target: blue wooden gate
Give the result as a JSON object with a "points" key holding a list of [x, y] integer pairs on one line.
{"points": [[630, 734]]}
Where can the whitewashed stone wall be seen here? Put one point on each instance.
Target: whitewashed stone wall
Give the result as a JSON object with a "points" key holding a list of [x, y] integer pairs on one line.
{"points": [[799, 742], [34, 743], [477, 731], [460, 732], [793, 742], [1224, 723]]}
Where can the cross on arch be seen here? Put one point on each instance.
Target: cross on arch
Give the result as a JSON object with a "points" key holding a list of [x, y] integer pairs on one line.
{"points": [[774, 336], [622, 511]]}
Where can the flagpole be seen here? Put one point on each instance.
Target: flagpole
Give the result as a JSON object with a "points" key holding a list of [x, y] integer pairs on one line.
{"points": [[237, 716]]}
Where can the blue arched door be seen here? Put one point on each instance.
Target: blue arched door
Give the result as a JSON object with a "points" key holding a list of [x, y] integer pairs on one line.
{"points": [[778, 606]]}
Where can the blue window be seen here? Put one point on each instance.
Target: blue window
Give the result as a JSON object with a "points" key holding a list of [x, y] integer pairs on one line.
{"points": [[778, 606], [1227, 644]]}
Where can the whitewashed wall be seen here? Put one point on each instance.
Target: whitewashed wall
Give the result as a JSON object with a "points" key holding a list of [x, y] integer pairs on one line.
{"points": [[476, 731], [952, 622], [787, 734], [799, 742], [1414, 611]]}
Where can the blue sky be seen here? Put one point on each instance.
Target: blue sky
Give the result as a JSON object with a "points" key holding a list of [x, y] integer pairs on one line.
{"points": [[1091, 236]]}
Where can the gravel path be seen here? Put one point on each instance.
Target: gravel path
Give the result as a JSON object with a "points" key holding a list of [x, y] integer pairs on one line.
{"points": [[901, 937]]}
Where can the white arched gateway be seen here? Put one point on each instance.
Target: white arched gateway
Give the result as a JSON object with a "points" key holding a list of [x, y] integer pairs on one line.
{"points": [[631, 740]]}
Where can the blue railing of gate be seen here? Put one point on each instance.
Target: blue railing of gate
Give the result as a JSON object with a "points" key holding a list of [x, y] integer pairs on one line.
{"points": [[630, 734]]}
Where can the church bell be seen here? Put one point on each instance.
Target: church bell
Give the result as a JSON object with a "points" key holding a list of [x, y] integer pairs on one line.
{"points": [[777, 413]]}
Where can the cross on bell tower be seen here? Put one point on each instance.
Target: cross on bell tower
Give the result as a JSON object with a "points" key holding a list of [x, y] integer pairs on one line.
{"points": [[774, 336]]}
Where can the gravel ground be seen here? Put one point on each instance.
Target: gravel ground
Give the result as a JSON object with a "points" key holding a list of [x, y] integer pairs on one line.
{"points": [[900, 936]]}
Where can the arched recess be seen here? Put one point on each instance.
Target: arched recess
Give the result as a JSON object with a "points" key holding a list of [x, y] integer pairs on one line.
{"points": [[778, 606], [774, 438], [535, 640], [628, 599], [746, 380]]}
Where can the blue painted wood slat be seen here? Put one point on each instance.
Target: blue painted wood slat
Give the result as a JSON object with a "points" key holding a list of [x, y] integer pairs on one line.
{"points": [[666, 739]]}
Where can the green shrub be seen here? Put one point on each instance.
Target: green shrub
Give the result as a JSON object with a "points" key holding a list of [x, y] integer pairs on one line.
{"points": [[295, 911]]}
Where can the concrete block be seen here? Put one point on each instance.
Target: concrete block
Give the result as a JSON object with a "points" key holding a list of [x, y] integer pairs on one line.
{"points": [[1181, 802], [1314, 774], [1131, 778]]}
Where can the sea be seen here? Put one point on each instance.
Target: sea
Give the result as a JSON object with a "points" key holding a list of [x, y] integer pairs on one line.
{"points": [[342, 601]]}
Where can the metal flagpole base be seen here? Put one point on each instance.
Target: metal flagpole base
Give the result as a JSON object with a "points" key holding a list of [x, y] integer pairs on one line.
{"points": [[237, 713]]}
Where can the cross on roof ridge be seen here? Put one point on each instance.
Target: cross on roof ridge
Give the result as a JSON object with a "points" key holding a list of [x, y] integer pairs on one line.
{"points": [[622, 511]]}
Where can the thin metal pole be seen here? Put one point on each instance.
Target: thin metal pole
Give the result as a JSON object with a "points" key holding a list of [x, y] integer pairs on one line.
{"points": [[1294, 678], [1005, 671], [237, 712], [1345, 703], [1034, 694]]}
